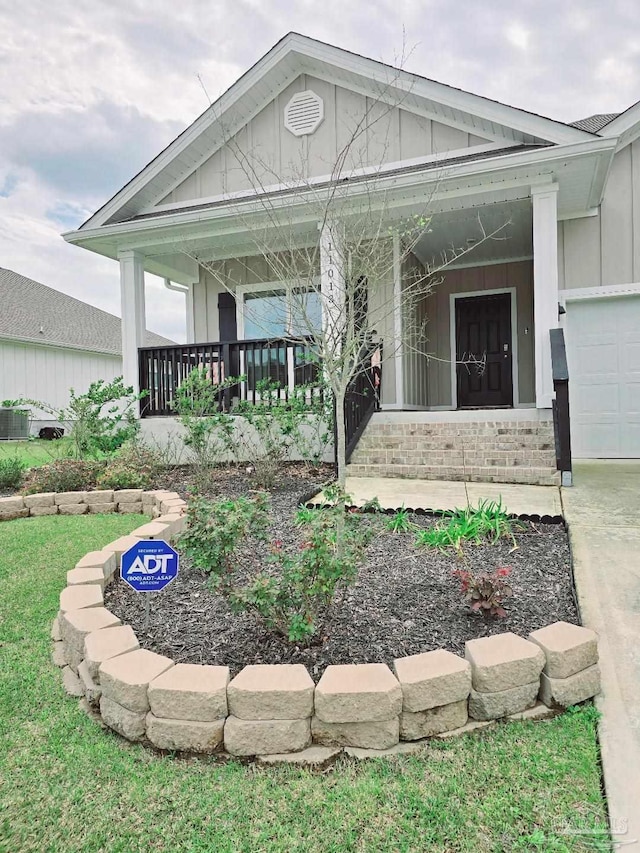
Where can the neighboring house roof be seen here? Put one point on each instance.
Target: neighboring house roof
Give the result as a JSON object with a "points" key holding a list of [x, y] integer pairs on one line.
{"points": [[32, 312], [292, 56], [594, 123]]}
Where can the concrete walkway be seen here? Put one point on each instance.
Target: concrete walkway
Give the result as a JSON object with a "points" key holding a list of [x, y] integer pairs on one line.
{"points": [[603, 514], [442, 494]]}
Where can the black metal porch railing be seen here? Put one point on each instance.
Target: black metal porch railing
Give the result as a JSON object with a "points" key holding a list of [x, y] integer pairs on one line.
{"points": [[561, 422], [289, 363], [363, 396]]}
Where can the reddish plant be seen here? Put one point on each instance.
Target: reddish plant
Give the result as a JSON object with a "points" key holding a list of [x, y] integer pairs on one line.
{"points": [[486, 592]]}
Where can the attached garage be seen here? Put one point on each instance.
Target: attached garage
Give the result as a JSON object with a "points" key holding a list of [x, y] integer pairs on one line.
{"points": [[603, 349]]}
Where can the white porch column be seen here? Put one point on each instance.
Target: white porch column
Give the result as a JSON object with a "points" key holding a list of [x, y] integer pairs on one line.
{"points": [[398, 355], [133, 314], [332, 284], [545, 285]]}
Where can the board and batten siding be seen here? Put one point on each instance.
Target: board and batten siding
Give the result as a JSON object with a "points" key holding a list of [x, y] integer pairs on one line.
{"points": [[436, 316], [604, 250], [46, 373], [265, 153]]}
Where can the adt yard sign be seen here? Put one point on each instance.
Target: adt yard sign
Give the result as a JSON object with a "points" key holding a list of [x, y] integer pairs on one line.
{"points": [[149, 566]]}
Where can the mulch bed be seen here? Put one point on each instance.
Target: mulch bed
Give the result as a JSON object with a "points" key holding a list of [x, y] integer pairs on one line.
{"points": [[405, 599]]}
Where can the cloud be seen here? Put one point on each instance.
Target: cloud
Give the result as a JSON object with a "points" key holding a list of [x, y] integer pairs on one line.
{"points": [[85, 154], [8, 185]]}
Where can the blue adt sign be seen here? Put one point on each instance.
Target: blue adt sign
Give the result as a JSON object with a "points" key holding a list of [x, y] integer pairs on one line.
{"points": [[149, 566]]}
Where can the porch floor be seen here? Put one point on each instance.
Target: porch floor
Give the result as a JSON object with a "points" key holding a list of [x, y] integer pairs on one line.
{"points": [[521, 500]]}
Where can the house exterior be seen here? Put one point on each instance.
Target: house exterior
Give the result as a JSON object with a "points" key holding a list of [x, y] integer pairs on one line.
{"points": [[51, 342], [563, 201]]}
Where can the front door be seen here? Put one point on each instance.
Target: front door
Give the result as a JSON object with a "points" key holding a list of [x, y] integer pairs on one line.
{"points": [[483, 351]]}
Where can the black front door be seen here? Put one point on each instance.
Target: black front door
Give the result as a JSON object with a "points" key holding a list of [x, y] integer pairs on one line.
{"points": [[483, 351]]}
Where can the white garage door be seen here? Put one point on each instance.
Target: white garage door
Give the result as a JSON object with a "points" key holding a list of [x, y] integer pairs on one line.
{"points": [[603, 349]]}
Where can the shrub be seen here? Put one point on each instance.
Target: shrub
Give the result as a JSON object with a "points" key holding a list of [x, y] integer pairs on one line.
{"points": [[215, 530], [209, 431], [63, 475], [102, 418], [135, 466], [11, 473], [488, 522], [294, 595], [302, 421], [485, 593]]}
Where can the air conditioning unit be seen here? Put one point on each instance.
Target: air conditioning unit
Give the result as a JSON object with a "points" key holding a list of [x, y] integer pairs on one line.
{"points": [[14, 423]]}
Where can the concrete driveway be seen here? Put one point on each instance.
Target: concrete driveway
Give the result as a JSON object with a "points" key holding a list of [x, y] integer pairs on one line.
{"points": [[602, 510]]}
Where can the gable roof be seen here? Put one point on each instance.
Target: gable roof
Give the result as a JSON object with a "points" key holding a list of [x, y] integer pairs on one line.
{"points": [[594, 123], [32, 312], [294, 55], [625, 126]]}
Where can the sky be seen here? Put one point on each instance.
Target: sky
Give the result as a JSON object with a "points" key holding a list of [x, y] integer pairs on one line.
{"points": [[91, 90]]}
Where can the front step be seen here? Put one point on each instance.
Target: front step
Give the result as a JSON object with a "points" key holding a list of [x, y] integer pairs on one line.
{"points": [[513, 450]]}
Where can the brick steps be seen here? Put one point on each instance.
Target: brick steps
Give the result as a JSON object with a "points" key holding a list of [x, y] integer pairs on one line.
{"points": [[495, 451], [486, 474]]}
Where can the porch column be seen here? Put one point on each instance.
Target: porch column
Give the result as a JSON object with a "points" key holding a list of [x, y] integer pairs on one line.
{"points": [[133, 314], [398, 354], [332, 284], [545, 285]]}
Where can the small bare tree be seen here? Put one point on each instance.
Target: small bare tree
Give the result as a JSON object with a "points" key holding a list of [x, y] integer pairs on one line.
{"points": [[348, 285]]}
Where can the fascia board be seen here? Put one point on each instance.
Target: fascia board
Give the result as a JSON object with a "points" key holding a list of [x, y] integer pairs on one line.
{"points": [[624, 122], [453, 173], [21, 339], [534, 125]]}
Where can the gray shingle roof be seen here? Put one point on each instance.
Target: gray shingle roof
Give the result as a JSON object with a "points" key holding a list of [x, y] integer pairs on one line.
{"points": [[594, 123], [30, 311]]}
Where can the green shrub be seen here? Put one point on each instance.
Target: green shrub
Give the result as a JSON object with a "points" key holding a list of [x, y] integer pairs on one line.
{"points": [[400, 522], [135, 466], [215, 529], [63, 475], [11, 473], [294, 593], [208, 431], [281, 425], [294, 596]]}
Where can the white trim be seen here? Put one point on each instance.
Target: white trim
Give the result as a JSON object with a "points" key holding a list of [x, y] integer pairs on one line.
{"points": [[490, 263], [580, 294], [578, 214], [397, 321], [514, 339], [347, 174], [453, 174]]}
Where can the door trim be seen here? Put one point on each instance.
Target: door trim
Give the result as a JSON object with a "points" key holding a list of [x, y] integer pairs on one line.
{"points": [[514, 338]]}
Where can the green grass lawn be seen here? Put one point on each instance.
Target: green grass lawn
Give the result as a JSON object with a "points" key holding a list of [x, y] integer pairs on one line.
{"points": [[68, 786], [35, 452]]}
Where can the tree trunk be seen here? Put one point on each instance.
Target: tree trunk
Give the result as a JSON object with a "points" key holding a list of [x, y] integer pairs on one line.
{"points": [[341, 441]]}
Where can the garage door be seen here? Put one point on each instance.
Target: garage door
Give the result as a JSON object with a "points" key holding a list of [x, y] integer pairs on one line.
{"points": [[603, 349]]}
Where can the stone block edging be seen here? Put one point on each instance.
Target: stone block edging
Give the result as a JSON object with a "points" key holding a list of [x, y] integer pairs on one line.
{"points": [[274, 711], [154, 502]]}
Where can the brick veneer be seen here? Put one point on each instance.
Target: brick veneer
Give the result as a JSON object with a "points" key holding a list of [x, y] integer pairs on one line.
{"points": [[276, 712]]}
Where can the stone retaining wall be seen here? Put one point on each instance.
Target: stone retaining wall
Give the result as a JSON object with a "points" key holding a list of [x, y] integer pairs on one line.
{"points": [[275, 712], [75, 503]]}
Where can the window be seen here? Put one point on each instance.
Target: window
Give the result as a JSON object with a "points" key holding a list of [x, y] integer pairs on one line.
{"points": [[277, 311]]}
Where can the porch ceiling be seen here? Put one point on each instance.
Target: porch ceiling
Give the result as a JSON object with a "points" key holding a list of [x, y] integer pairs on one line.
{"points": [[464, 230]]}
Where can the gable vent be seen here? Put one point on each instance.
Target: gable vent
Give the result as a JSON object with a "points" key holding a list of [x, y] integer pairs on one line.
{"points": [[303, 113]]}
